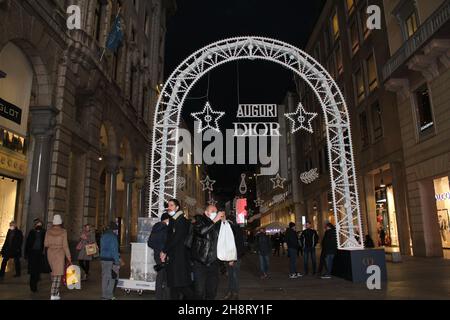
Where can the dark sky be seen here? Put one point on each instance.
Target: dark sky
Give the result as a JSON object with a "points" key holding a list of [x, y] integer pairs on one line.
{"points": [[198, 23]]}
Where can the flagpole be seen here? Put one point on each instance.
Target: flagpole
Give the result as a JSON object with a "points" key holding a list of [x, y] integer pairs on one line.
{"points": [[104, 49]]}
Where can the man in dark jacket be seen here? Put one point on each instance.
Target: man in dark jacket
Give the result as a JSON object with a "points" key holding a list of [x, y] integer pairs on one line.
{"points": [[292, 243], [309, 239], [329, 249], [234, 267], [110, 260], [156, 241], [263, 249], [204, 253], [12, 249], [34, 253]]}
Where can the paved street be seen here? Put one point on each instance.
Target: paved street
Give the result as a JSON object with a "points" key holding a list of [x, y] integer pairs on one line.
{"points": [[414, 278]]}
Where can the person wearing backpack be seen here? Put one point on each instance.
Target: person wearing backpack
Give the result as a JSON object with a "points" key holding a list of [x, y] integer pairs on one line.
{"points": [[204, 253], [156, 241]]}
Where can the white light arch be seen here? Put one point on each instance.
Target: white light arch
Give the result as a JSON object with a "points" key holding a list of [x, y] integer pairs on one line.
{"points": [[163, 151]]}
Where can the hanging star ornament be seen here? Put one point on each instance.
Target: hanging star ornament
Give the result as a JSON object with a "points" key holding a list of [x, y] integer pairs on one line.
{"points": [[212, 202], [278, 181], [301, 120], [259, 202], [207, 184], [209, 117]]}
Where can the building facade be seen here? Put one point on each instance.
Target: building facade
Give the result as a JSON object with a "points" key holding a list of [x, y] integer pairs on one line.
{"points": [[418, 71], [76, 119]]}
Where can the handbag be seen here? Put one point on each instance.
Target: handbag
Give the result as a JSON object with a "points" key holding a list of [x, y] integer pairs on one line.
{"points": [[91, 249], [226, 246]]}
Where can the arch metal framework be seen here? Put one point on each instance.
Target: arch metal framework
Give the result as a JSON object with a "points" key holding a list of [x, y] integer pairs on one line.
{"points": [[163, 151]]}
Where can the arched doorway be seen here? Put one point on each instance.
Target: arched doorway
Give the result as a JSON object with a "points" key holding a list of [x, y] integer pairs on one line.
{"points": [[164, 147]]}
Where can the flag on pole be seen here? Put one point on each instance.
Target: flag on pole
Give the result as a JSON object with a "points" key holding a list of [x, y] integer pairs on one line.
{"points": [[115, 36]]}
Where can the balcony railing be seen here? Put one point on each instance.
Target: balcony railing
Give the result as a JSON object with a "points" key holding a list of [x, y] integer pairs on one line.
{"points": [[435, 22]]}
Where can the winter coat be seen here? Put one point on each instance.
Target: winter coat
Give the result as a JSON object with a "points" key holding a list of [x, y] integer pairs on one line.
{"points": [[263, 244], [85, 239], [157, 240], [309, 238], [12, 248], [109, 247], [329, 242], [178, 256], [58, 249], [35, 257], [204, 245], [291, 239]]}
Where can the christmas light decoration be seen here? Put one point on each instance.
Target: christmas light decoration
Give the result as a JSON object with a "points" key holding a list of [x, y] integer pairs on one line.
{"points": [[309, 176], [181, 182], [278, 182], [301, 120], [243, 185], [207, 184], [163, 150], [259, 202], [208, 116]]}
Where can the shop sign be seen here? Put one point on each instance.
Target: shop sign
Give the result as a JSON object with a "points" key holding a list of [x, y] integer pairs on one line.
{"points": [[442, 196], [257, 129], [10, 111]]}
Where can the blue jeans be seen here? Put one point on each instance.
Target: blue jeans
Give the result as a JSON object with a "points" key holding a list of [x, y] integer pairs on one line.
{"points": [[233, 276], [329, 263], [264, 264], [292, 260], [306, 253]]}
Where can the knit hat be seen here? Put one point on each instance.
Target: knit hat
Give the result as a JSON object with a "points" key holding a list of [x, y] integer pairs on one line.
{"points": [[57, 220]]}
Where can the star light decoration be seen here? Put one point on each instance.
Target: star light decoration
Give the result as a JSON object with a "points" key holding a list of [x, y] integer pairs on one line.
{"points": [[212, 202], [259, 202], [278, 182], [208, 116], [207, 184], [301, 120]]}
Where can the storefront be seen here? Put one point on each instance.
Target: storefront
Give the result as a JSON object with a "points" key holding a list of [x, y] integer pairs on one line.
{"points": [[442, 196]]}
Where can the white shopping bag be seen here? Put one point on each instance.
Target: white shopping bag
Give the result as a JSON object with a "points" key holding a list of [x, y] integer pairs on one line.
{"points": [[226, 247], [73, 277]]}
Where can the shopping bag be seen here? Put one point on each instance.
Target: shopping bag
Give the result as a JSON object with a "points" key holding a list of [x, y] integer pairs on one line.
{"points": [[226, 247], [91, 249], [73, 277]]}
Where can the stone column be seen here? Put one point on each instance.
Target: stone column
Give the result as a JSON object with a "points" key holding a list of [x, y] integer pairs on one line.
{"points": [[401, 209], [128, 178], [371, 205], [112, 170], [43, 120]]}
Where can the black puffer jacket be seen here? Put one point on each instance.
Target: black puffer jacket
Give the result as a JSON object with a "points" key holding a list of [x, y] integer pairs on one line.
{"points": [[204, 244], [329, 242]]}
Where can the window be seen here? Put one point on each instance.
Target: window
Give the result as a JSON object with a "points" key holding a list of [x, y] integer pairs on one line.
{"points": [[411, 24], [364, 129], [377, 121], [354, 35], [372, 73], [335, 26], [359, 86], [340, 67], [350, 6], [424, 112]]}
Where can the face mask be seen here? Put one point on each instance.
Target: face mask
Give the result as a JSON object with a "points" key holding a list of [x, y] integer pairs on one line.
{"points": [[213, 215], [172, 213], [12, 228]]}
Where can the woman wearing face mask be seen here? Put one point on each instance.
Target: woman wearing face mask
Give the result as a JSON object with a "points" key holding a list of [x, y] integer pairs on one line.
{"points": [[176, 255], [87, 237], [34, 253]]}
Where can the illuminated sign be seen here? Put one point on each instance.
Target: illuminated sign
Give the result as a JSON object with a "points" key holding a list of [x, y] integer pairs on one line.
{"points": [[442, 196], [257, 129], [241, 211]]}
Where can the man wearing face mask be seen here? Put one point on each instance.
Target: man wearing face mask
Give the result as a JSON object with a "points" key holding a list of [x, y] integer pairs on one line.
{"points": [[12, 249], [34, 253], [204, 253]]}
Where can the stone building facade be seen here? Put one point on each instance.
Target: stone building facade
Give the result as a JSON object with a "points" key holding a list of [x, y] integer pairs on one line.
{"points": [[81, 143], [418, 71]]}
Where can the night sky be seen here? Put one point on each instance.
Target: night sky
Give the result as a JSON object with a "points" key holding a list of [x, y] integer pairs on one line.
{"points": [[198, 23]]}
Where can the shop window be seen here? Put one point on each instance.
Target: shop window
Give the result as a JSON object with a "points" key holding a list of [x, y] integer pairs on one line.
{"points": [[377, 121], [442, 195], [8, 196], [386, 217], [424, 111], [372, 73], [12, 141], [364, 129]]}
